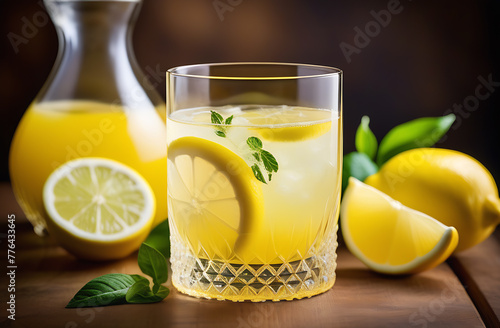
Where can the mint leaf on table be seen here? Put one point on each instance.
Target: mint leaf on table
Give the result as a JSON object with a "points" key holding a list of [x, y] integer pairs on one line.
{"points": [[154, 264], [119, 288], [357, 165], [109, 289], [140, 292], [422, 132], [366, 142], [159, 238]]}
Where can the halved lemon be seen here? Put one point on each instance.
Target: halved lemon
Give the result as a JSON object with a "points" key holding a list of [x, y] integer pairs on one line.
{"points": [[215, 202], [389, 237], [289, 123], [99, 209]]}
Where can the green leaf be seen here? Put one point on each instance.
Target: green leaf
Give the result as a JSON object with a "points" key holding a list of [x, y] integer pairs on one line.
{"points": [[109, 289], [216, 118], [357, 165], [366, 142], [270, 162], [422, 132], [220, 133], [153, 263], [140, 292], [258, 173], [254, 143], [229, 120], [159, 238], [256, 156]]}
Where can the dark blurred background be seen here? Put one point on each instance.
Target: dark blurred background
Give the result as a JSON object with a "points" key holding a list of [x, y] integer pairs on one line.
{"points": [[430, 57]]}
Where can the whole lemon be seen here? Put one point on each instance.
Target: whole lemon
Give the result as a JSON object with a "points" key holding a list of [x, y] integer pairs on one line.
{"points": [[448, 185]]}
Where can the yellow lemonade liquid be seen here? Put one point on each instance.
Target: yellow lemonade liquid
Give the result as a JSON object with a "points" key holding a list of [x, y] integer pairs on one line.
{"points": [[53, 133], [292, 252]]}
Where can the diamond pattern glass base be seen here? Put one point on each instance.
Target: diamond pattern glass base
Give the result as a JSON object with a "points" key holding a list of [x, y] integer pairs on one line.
{"points": [[215, 279]]}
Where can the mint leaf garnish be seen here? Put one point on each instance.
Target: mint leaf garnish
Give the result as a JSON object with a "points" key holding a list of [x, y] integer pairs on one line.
{"points": [[254, 143], [258, 173], [262, 156], [220, 133], [269, 161], [109, 289], [216, 117]]}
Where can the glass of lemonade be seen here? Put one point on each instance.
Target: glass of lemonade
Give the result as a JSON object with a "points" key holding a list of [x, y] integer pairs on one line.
{"points": [[254, 179]]}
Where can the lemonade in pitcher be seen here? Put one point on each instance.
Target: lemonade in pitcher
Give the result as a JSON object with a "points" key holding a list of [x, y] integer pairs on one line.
{"points": [[53, 133], [253, 200], [96, 103]]}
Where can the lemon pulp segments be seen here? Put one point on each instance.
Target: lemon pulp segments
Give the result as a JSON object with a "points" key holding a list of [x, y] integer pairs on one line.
{"points": [[216, 202], [101, 202], [390, 237]]}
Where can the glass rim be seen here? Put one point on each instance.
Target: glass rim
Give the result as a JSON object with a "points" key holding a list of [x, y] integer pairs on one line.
{"points": [[328, 71]]}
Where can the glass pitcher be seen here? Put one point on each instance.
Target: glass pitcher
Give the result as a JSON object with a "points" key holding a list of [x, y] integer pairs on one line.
{"points": [[95, 103]]}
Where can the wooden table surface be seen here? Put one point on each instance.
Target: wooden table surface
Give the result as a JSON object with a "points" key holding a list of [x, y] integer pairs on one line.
{"points": [[463, 292]]}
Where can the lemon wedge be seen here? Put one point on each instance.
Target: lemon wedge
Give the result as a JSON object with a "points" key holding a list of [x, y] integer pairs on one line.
{"points": [[215, 202], [389, 237], [99, 209], [289, 124]]}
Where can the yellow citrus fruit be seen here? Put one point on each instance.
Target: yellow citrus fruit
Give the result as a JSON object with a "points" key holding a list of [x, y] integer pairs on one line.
{"points": [[215, 202], [99, 209], [450, 186], [389, 237], [313, 123]]}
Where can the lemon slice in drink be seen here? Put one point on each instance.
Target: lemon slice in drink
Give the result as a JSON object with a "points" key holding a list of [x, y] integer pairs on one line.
{"points": [[99, 209], [215, 202], [290, 123], [390, 237]]}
